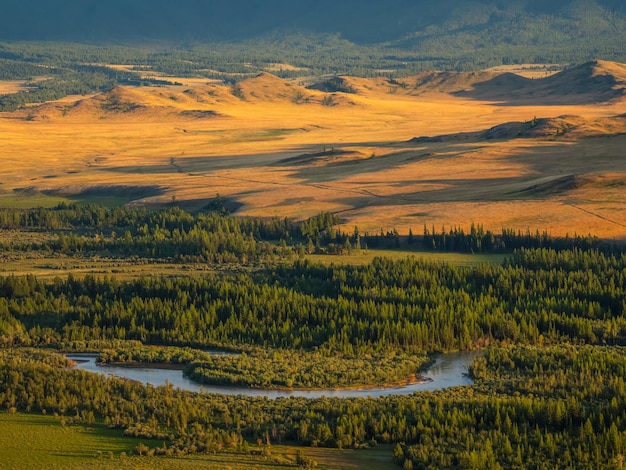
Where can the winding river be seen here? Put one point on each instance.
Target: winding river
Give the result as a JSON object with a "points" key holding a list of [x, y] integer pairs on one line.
{"points": [[448, 370]]}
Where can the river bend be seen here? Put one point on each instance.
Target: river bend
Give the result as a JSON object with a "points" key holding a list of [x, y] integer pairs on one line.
{"points": [[448, 370]]}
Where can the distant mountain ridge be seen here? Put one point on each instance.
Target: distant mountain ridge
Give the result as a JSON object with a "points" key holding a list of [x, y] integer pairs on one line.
{"points": [[229, 40], [364, 21]]}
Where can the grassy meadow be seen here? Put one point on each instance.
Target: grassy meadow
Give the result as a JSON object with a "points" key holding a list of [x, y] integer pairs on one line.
{"points": [[47, 266], [272, 147], [363, 257], [42, 442], [37, 441]]}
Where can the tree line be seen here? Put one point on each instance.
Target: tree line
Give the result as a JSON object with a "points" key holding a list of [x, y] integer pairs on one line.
{"points": [[171, 233], [214, 236], [539, 295]]}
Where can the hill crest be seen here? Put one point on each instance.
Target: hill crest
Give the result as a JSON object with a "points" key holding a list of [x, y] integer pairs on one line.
{"points": [[589, 83], [592, 82]]}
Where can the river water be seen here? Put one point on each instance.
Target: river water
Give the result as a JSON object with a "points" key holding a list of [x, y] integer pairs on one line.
{"points": [[448, 370]]}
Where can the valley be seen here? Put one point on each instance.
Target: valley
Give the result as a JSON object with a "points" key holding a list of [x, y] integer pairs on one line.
{"points": [[273, 222], [434, 149]]}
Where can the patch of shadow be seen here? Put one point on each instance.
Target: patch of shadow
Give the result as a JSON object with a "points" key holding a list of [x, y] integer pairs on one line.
{"points": [[585, 84], [26, 191], [199, 114], [552, 187], [116, 105], [335, 169], [507, 131], [616, 183], [464, 191], [448, 195], [333, 85], [313, 157], [118, 191], [201, 166], [505, 87], [223, 205], [294, 200], [535, 128], [461, 136], [194, 206]]}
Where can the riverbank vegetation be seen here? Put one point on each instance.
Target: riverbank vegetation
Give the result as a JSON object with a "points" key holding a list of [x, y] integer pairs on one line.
{"points": [[553, 406], [279, 368], [549, 391]]}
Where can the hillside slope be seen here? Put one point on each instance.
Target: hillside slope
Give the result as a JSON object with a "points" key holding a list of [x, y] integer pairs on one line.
{"points": [[597, 82], [592, 82]]}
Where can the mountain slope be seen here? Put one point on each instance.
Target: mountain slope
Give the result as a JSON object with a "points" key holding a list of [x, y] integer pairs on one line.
{"points": [[364, 21], [240, 38]]}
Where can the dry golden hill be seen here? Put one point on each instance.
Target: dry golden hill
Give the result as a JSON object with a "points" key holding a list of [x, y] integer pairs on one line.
{"points": [[560, 127], [124, 103], [268, 88], [553, 160], [209, 95], [593, 82], [454, 82]]}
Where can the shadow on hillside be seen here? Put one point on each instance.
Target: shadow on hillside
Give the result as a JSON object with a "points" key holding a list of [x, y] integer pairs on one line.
{"points": [[572, 87], [193, 165], [544, 172], [198, 166]]}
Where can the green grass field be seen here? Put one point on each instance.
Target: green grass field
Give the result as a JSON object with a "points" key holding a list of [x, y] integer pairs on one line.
{"points": [[50, 265], [37, 200], [33, 441], [14, 201], [366, 256], [30, 441]]}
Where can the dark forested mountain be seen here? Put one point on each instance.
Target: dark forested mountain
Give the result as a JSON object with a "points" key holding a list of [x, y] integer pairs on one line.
{"points": [[364, 21], [353, 37]]}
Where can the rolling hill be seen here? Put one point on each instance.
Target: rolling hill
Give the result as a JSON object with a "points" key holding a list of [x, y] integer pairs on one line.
{"points": [[592, 82], [501, 149]]}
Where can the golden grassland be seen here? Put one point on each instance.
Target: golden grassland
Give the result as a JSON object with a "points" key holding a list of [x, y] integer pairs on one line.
{"points": [[8, 87], [12, 86], [275, 148]]}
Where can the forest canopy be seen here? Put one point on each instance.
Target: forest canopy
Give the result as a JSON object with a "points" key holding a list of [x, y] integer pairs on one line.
{"points": [[350, 37], [549, 388]]}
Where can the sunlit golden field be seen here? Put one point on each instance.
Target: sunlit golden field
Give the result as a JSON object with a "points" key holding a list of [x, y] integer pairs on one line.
{"points": [[272, 147]]}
